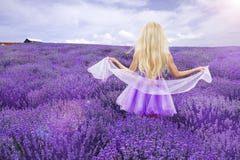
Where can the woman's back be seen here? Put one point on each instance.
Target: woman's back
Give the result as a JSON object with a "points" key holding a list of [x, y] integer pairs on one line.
{"points": [[162, 75]]}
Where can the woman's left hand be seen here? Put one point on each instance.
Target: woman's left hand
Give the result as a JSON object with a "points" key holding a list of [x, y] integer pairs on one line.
{"points": [[112, 59], [117, 63]]}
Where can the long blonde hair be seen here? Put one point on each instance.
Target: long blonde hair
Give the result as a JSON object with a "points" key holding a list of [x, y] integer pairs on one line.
{"points": [[152, 50]]}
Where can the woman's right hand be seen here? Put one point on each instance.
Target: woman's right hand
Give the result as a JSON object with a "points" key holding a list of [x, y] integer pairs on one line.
{"points": [[200, 68]]}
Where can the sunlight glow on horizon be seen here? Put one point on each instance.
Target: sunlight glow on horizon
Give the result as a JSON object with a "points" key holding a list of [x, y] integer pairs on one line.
{"points": [[235, 3]]}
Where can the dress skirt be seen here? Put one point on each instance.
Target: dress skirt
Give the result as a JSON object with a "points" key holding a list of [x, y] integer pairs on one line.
{"points": [[134, 101]]}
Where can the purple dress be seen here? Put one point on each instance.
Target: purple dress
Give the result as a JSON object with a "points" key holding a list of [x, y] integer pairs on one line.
{"points": [[136, 102]]}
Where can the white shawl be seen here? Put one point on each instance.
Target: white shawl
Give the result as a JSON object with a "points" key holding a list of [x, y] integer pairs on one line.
{"points": [[105, 68]]}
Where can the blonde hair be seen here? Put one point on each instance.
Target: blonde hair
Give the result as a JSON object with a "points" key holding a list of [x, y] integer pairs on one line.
{"points": [[152, 50]]}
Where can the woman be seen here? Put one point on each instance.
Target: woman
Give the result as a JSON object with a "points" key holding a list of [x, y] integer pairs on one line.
{"points": [[151, 57]]}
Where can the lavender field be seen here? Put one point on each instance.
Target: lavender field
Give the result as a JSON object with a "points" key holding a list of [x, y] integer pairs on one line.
{"points": [[52, 108]]}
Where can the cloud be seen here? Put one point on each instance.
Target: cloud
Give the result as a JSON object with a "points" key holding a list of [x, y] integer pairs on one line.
{"points": [[117, 22], [171, 40], [105, 38], [127, 35], [181, 37], [134, 3], [189, 36], [81, 41]]}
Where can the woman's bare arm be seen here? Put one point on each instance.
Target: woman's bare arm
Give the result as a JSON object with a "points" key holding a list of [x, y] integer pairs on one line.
{"points": [[115, 61], [179, 74], [132, 67], [134, 63]]}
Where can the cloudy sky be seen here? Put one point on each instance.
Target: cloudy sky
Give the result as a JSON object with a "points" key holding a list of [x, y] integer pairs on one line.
{"points": [[119, 22]]}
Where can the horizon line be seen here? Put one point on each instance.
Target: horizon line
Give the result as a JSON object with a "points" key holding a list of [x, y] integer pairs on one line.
{"points": [[11, 43]]}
